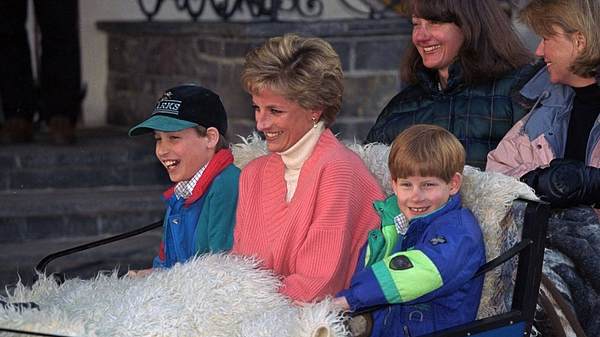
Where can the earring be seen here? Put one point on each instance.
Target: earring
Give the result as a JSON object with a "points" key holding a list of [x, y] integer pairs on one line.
{"points": [[314, 119]]}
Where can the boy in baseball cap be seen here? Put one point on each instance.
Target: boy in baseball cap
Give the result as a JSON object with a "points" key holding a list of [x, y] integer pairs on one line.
{"points": [[189, 123]]}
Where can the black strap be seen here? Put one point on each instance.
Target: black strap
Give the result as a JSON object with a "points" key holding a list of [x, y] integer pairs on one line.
{"points": [[44, 262], [31, 333], [500, 259]]}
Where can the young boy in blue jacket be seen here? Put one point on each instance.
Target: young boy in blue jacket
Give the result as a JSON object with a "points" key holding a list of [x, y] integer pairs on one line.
{"points": [[189, 123], [417, 270]]}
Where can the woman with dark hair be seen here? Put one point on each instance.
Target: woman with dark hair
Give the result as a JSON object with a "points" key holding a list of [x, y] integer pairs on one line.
{"points": [[461, 68]]}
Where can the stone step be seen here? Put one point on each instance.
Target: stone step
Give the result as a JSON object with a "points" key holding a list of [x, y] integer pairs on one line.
{"points": [[100, 157], [62, 213], [57, 197]]}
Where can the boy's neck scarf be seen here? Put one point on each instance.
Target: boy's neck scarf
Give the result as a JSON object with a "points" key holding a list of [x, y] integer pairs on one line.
{"points": [[218, 163]]}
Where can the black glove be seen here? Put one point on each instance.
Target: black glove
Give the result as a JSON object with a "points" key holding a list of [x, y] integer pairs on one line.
{"points": [[565, 183], [531, 178]]}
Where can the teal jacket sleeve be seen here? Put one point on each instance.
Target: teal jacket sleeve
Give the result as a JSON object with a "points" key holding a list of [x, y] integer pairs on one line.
{"points": [[216, 222]]}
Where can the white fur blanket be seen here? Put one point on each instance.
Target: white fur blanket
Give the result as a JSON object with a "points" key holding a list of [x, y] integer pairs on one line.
{"points": [[221, 295], [212, 296]]}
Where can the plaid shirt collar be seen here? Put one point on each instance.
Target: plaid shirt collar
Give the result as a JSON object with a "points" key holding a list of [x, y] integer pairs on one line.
{"points": [[401, 223], [184, 189]]}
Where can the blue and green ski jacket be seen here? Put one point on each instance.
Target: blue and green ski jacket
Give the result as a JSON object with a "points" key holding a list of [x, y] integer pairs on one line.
{"points": [[420, 281]]}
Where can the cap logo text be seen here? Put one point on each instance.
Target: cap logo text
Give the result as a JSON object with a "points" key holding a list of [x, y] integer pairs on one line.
{"points": [[169, 106]]}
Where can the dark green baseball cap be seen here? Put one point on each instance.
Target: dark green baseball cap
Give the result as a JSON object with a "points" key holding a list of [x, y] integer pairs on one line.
{"points": [[183, 107]]}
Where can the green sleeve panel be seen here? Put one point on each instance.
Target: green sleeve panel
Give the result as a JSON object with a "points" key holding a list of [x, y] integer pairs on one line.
{"points": [[405, 285], [391, 238], [375, 247], [382, 241]]}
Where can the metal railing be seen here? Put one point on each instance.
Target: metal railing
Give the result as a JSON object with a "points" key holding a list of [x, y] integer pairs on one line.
{"points": [[266, 9]]}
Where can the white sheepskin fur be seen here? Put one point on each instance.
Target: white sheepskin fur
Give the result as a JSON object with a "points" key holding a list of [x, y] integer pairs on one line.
{"points": [[222, 295], [212, 295], [489, 196], [251, 147]]}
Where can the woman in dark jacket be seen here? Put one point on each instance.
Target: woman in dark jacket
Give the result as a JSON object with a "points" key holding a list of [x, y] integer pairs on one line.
{"points": [[462, 68]]}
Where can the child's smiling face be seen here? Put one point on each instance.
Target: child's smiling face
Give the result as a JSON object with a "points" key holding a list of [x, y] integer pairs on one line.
{"points": [[418, 196], [182, 153]]}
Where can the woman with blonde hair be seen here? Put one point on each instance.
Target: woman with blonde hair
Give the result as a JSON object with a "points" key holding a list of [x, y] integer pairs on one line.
{"points": [[305, 209], [555, 148], [561, 132]]}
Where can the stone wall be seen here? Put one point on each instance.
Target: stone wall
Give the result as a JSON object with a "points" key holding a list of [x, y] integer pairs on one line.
{"points": [[145, 58]]}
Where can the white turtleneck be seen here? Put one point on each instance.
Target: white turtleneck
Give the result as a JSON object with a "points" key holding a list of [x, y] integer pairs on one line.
{"points": [[295, 156]]}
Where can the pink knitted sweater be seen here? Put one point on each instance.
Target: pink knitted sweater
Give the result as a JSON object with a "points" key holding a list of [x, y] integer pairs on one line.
{"points": [[313, 242]]}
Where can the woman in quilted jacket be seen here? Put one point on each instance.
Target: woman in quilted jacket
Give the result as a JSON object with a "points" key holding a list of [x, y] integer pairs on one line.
{"points": [[463, 65]]}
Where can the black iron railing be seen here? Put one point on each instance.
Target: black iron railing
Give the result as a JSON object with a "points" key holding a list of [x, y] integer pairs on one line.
{"points": [[266, 9]]}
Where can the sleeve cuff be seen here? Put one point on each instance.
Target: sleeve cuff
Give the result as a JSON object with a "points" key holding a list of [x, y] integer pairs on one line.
{"points": [[158, 263], [350, 298]]}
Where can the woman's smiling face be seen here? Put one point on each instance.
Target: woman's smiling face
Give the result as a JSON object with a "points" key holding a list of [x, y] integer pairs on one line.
{"points": [[283, 122], [559, 51], [438, 43]]}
